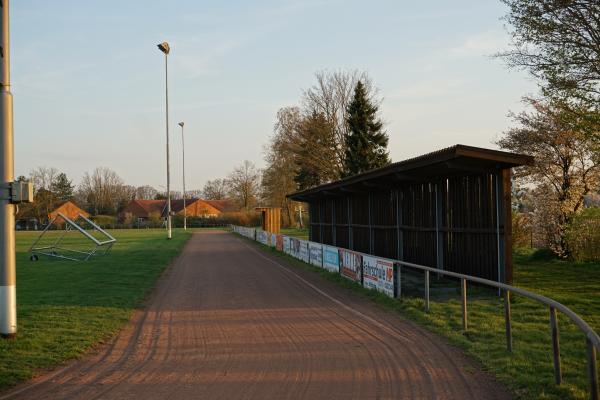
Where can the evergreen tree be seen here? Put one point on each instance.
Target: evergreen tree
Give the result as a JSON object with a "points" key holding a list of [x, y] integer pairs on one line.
{"points": [[366, 142], [62, 187], [315, 154]]}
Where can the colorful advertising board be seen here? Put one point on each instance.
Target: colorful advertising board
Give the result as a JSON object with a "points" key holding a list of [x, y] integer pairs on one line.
{"points": [[303, 254], [262, 237], [287, 246], [378, 274], [351, 264], [273, 240], [315, 254], [279, 242], [331, 258]]}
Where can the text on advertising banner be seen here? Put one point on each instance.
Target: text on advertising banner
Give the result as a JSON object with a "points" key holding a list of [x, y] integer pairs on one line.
{"points": [[350, 264], [303, 255], [315, 253], [331, 258], [286, 245], [279, 243], [378, 274]]}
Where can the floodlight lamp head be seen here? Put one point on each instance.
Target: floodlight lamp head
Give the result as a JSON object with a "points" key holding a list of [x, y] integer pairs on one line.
{"points": [[164, 47], [181, 124]]}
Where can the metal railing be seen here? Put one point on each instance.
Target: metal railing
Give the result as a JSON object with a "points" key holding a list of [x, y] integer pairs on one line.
{"points": [[592, 338]]}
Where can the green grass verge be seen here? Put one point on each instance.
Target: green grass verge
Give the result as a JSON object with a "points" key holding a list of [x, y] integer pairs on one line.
{"points": [[295, 232], [528, 370], [65, 307]]}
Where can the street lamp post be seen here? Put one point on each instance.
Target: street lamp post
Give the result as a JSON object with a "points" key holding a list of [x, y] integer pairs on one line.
{"points": [[8, 294], [183, 151], [164, 47]]}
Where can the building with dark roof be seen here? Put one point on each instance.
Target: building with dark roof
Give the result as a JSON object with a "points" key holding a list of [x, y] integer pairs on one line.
{"points": [[449, 209]]}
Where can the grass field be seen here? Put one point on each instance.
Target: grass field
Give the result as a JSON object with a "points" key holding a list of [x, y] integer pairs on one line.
{"points": [[528, 371], [66, 307], [299, 233]]}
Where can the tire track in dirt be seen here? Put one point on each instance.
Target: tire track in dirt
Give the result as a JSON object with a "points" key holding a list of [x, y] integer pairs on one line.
{"points": [[230, 321]]}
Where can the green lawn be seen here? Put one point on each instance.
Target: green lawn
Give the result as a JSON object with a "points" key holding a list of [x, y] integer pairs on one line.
{"points": [[528, 371], [295, 232], [66, 307]]}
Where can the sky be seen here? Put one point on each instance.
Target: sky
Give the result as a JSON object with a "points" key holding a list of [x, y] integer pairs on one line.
{"points": [[88, 79]]}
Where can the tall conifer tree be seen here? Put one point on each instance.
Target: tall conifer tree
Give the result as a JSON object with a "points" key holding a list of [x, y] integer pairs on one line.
{"points": [[366, 142]]}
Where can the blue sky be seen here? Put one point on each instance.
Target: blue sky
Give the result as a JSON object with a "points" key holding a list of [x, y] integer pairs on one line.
{"points": [[88, 80]]}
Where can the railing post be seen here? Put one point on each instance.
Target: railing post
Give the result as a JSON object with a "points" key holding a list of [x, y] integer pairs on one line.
{"points": [[592, 369], [463, 290], [397, 281], [555, 346], [426, 291], [507, 320]]}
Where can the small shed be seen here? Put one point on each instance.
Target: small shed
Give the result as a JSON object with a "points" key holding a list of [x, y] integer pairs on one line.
{"points": [[271, 218], [449, 209]]}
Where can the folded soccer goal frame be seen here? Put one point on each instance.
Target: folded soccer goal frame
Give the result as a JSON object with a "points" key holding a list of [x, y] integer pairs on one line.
{"points": [[97, 246]]}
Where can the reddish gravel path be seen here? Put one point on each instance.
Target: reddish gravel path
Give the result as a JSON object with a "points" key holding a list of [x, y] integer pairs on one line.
{"points": [[229, 321]]}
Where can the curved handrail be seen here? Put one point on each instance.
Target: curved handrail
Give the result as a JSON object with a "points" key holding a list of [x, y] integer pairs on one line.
{"points": [[583, 326]]}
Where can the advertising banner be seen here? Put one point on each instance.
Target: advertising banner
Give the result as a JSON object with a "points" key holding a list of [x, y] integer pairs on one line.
{"points": [[273, 240], [351, 264], [331, 258], [295, 247], [279, 242], [378, 274], [303, 254], [287, 246], [315, 254], [262, 237]]}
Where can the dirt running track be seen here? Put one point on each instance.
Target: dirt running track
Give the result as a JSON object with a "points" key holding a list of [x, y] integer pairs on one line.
{"points": [[229, 321]]}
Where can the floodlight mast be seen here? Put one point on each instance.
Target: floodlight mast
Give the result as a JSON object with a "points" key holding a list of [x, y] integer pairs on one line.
{"points": [[181, 124], [8, 294], [164, 47]]}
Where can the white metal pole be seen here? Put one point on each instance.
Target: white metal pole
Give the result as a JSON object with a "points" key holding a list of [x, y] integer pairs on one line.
{"points": [[168, 163], [8, 293], [183, 151]]}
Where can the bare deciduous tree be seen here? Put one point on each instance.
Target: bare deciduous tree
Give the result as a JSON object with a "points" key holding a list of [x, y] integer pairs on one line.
{"points": [[104, 191], [244, 185], [215, 189], [330, 96], [145, 192]]}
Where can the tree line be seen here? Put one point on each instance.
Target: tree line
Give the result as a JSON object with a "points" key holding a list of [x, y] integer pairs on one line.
{"points": [[558, 43]]}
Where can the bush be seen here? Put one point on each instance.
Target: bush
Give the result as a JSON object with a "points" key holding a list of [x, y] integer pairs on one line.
{"points": [[583, 235], [521, 230], [105, 221]]}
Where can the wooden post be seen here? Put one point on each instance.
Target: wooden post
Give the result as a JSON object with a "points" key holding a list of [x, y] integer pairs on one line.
{"points": [[333, 225], [439, 234], [399, 235], [350, 239], [426, 291], [398, 280], [507, 192], [507, 321], [321, 222], [369, 203], [555, 346], [592, 369], [463, 291]]}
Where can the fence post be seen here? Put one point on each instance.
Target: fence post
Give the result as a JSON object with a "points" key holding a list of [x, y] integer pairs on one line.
{"points": [[555, 346], [592, 369], [463, 289], [426, 291], [507, 320], [397, 281]]}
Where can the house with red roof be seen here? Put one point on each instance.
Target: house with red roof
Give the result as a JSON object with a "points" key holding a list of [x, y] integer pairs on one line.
{"points": [[143, 210]]}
